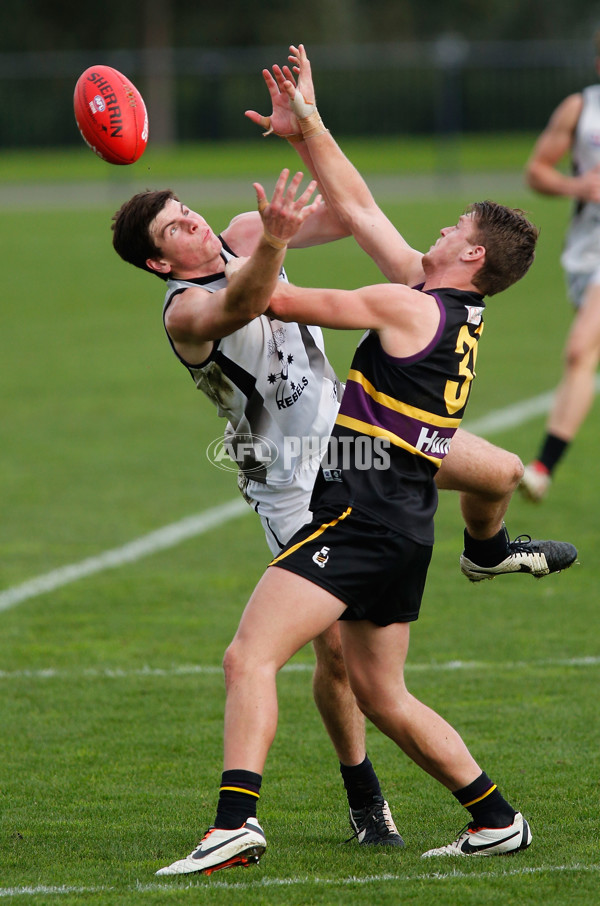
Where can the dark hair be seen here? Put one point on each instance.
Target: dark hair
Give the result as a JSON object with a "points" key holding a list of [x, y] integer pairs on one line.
{"points": [[131, 228], [509, 239]]}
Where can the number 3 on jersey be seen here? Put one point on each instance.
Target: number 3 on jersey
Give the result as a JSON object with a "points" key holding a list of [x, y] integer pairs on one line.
{"points": [[456, 393]]}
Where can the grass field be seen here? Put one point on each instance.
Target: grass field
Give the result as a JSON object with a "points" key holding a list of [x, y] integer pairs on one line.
{"points": [[110, 684], [384, 154]]}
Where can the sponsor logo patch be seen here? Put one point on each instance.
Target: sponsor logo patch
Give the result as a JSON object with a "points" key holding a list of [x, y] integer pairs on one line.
{"points": [[321, 557]]}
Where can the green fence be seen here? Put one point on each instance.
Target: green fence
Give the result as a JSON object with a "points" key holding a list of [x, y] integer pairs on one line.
{"points": [[446, 86]]}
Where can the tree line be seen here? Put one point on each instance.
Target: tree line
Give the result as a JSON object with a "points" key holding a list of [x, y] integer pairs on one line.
{"points": [[43, 25]]}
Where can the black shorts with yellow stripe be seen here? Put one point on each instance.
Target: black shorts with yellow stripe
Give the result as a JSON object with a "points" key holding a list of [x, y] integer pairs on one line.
{"points": [[376, 572]]}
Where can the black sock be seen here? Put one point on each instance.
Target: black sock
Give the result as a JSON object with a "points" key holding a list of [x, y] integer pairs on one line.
{"points": [[238, 796], [361, 783], [487, 806], [488, 552], [553, 449]]}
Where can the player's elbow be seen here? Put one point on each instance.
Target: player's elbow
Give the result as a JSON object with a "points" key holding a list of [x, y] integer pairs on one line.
{"points": [[535, 177], [529, 178], [357, 218], [246, 300], [280, 304], [281, 313]]}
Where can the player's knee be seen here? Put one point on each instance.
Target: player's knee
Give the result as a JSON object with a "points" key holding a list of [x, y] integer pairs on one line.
{"points": [[580, 355], [330, 669], [503, 479], [369, 702], [515, 470], [235, 664], [229, 662], [330, 659], [244, 662], [507, 473]]}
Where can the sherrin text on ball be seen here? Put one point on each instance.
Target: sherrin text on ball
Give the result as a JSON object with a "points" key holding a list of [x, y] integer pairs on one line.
{"points": [[111, 115]]}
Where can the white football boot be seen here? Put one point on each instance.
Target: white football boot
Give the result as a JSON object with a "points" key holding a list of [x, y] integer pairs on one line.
{"points": [[535, 482], [535, 558], [487, 841], [221, 848]]}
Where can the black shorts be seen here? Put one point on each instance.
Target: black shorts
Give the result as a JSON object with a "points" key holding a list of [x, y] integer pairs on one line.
{"points": [[378, 573]]}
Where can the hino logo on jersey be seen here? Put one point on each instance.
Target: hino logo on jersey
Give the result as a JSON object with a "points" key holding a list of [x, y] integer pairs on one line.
{"points": [[433, 443]]}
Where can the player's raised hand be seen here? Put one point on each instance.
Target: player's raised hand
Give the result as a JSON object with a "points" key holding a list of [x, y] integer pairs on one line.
{"points": [[282, 121], [301, 66], [283, 216]]}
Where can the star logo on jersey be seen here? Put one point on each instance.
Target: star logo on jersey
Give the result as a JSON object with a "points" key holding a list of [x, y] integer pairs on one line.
{"points": [[283, 374], [286, 392], [285, 396]]}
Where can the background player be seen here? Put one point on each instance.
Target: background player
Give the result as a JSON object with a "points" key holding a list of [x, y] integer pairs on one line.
{"points": [[572, 130]]}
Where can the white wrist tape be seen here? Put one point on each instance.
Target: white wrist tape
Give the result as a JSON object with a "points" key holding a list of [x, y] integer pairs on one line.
{"points": [[274, 241], [301, 107], [308, 116]]}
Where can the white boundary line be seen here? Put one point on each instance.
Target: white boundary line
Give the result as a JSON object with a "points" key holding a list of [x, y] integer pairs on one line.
{"points": [[262, 882], [160, 540], [516, 414], [171, 535], [93, 673]]}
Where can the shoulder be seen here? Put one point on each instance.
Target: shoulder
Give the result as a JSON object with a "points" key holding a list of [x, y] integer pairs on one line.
{"points": [[410, 321], [588, 99], [568, 111], [394, 303], [243, 232], [181, 305], [398, 292]]}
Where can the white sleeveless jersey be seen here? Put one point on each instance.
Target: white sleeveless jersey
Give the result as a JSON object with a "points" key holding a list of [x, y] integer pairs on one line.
{"points": [[581, 252], [273, 384]]}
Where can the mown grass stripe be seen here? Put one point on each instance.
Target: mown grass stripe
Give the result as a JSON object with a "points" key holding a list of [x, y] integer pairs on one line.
{"points": [[171, 535]]}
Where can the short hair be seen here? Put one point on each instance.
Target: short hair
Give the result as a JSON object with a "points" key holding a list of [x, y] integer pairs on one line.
{"points": [[509, 239], [131, 228]]}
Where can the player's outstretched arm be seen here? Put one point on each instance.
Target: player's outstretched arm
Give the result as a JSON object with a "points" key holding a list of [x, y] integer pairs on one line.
{"points": [[195, 318], [405, 319], [248, 295], [345, 190], [542, 172], [282, 122]]}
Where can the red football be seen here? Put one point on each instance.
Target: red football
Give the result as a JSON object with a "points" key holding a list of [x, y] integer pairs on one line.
{"points": [[111, 115]]}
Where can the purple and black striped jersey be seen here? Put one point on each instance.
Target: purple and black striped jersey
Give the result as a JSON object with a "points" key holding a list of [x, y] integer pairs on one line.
{"points": [[396, 421]]}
